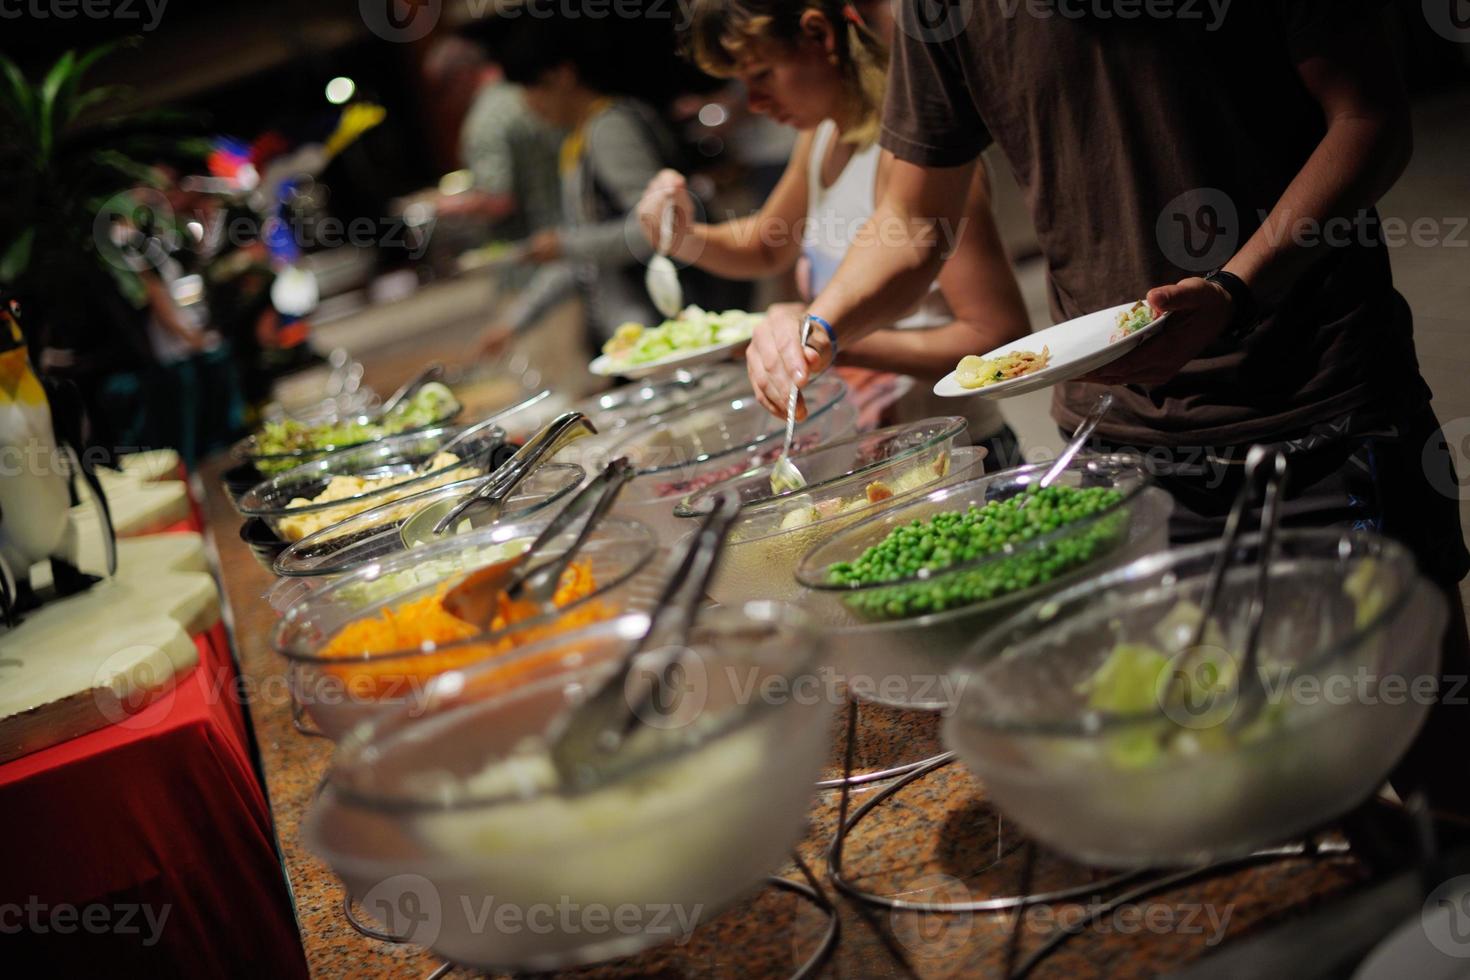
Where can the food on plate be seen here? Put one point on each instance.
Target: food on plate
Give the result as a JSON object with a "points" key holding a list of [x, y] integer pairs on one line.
{"points": [[927, 548], [424, 624], [432, 403], [294, 527], [1132, 320], [694, 329], [981, 372]]}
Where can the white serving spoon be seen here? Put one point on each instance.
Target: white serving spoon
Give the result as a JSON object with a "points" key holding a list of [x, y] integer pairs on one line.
{"points": [[662, 277], [785, 476]]}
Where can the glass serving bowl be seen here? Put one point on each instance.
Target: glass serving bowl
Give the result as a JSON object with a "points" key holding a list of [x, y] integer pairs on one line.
{"points": [[710, 442], [772, 534], [248, 449], [905, 663], [1013, 572], [343, 688], [1116, 769], [451, 799], [373, 534], [394, 458], [630, 404]]}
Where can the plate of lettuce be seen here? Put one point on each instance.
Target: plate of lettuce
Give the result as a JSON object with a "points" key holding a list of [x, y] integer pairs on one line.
{"points": [[695, 336]]}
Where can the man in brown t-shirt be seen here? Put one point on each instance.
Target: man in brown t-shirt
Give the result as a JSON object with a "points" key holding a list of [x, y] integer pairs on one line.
{"points": [[1223, 160]]}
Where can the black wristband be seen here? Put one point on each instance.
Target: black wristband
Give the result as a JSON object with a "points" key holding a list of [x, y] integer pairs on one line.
{"points": [[1246, 312]]}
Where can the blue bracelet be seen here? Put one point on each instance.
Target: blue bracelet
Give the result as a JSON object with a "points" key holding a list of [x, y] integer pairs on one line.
{"points": [[831, 333]]}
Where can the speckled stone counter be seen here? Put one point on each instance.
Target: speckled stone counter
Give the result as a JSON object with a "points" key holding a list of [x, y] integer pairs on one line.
{"points": [[936, 840]]}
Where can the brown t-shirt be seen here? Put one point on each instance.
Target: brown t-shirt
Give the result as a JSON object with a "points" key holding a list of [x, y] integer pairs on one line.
{"points": [[1150, 150]]}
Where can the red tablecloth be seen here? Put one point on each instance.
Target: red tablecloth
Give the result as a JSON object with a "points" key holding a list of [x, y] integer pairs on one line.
{"points": [[146, 848]]}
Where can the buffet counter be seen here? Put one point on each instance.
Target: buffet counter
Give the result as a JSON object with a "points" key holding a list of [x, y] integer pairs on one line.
{"points": [[935, 841]]}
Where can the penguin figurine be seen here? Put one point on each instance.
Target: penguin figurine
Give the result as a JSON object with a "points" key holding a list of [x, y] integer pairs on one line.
{"points": [[36, 479]]}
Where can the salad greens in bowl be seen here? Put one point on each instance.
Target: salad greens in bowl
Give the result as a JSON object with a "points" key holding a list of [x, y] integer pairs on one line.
{"points": [[279, 446], [1096, 725]]}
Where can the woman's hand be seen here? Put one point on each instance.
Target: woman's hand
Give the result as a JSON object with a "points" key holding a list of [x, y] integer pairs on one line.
{"points": [[1201, 311], [776, 359], [544, 247], [665, 190]]}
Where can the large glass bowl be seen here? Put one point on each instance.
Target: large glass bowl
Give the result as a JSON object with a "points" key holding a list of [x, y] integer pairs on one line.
{"points": [[1042, 561], [630, 404], [288, 503], [444, 801], [712, 441], [248, 449], [773, 534], [905, 663], [345, 687], [1118, 769], [373, 534]]}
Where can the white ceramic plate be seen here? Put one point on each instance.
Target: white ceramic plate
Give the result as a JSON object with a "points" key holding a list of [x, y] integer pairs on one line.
{"points": [[606, 367], [1077, 347]]}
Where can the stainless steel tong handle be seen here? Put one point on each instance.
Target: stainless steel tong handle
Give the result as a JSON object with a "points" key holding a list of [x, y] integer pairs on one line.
{"points": [[496, 490], [602, 724], [1262, 463], [598, 498]]}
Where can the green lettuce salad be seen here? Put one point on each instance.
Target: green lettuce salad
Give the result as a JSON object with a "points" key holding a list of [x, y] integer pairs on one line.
{"points": [[694, 329], [430, 404]]}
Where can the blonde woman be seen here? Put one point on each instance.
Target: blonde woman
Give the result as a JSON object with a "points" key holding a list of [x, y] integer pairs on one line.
{"points": [[820, 67]]}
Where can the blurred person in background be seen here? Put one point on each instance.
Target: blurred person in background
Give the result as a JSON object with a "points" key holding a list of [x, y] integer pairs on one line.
{"points": [[820, 67], [614, 146], [511, 151]]}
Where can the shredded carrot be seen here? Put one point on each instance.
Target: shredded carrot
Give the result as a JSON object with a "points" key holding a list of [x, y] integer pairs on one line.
{"points": [[425, 625]]}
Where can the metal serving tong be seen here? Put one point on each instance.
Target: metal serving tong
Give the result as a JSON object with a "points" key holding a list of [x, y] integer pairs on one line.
{"points": [[585, 742], [431, 372], [476, 599], [1249, 690], [490, 496]]}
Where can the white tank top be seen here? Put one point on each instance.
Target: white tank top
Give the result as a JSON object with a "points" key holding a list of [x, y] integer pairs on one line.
{"points": [[834, 216]]}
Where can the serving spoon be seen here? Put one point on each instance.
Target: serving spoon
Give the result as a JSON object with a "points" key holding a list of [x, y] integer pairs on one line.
{"points": [[476, 598], [785, 476], [662, 277], [1079, 441]]}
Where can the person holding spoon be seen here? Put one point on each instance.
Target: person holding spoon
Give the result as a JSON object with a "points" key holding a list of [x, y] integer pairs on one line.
{"points": [[1226, 168], [820, 66]]}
